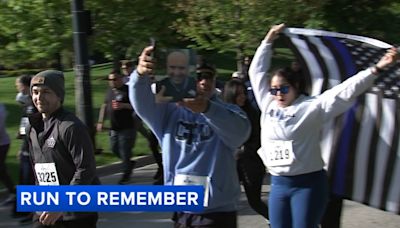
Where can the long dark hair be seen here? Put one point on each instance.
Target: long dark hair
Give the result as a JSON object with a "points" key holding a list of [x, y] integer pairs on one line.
{"points": [[231, 90], [295, 79]]}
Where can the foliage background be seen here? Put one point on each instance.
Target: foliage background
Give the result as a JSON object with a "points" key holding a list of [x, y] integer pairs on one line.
{"points": [[37, 33]]}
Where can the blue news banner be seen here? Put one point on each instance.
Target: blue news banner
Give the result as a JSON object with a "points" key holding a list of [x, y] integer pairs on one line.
{"points": [[109, 198]]}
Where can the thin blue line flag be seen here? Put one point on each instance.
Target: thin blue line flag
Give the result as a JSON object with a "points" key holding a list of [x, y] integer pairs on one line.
{"points": [[361, 147]]}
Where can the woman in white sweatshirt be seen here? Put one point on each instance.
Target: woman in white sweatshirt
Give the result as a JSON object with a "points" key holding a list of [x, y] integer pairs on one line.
{"points": [[291, 123]]}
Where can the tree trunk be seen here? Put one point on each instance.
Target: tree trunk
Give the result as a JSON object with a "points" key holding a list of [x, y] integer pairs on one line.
{"points": [[58, 64], [239, 58]]}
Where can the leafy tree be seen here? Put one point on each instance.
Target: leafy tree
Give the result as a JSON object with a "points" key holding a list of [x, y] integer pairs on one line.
{"points": [[238, 25], [39, 31], [122, 28], [34, 31], [372, 18]]}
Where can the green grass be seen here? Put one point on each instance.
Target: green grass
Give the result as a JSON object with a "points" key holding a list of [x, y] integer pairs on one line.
{"points": [[225, 62]]}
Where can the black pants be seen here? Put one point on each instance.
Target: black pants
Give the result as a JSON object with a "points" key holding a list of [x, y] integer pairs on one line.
{"points": [[153, 144], [331, 218], [152, 140], [210, 220], [26, 174], [121, 142], [4, 176], [251, 173]]}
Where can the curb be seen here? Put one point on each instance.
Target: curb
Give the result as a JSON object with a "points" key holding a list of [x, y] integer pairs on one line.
{"points": [[116, 167]]}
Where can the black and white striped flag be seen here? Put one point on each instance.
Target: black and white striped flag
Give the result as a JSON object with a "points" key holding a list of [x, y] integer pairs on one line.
{"points": [[361, 147]]}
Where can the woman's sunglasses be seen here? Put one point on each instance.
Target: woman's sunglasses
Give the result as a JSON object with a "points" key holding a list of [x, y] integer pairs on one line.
{"points": [[283, 90]]}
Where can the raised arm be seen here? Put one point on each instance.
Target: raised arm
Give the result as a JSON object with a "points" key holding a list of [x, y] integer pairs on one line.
{"points": [[260, 65], [141, 96], [338, 99], [391, 56]]}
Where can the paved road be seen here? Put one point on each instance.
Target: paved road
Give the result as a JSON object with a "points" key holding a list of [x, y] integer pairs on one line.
{"points": [[354, 214]]}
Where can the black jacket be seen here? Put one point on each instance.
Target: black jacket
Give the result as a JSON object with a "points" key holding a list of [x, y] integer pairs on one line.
{"points": [[64, 140], [253, 143]]}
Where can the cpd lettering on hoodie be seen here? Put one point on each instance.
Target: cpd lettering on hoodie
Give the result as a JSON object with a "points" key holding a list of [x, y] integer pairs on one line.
{"points": [[193, 132]]}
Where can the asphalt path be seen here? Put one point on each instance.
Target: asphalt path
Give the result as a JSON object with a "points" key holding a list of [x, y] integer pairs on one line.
{"points": [[354, 214]]}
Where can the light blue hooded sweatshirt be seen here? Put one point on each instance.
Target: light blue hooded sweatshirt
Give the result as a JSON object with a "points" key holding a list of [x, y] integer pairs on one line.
{"points": [[199, 144]]}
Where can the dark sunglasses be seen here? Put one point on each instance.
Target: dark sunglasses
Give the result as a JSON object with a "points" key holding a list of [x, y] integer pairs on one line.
{"points": [[283, 90], [205, 75], [112, 79]]}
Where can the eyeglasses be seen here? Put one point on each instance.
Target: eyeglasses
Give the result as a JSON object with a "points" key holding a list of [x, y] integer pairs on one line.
{"points": [[283, 90], [112, 79], [205, 75]]}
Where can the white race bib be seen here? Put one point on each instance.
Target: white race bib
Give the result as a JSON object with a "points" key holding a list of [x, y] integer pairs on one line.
{"points": [[279, 153], [46, 174], [22, 125], [185, 179]]}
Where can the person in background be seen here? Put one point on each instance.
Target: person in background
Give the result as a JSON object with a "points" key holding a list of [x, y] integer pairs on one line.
{"points": [[178, 84], [128, 66], [245, 67], [291, 124], [198, 142], [4, 147], [60, 147], [244, 77], [295, 66], [24, 98], [26, 175], [122, 132], [250, 167]]}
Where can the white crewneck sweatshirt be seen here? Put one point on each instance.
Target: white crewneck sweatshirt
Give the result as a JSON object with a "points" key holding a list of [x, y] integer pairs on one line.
{"points": [[301, 122]]}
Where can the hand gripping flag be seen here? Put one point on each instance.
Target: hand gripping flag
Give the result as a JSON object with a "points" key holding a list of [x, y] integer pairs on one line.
{"points": [[361, 147]]}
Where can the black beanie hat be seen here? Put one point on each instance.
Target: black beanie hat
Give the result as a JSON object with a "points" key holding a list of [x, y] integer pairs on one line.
{"points": [[51, 78]]}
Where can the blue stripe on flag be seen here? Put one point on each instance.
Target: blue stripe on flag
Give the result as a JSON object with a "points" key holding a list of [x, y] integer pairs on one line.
{"points": [[350, 67], [343, 151]]}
